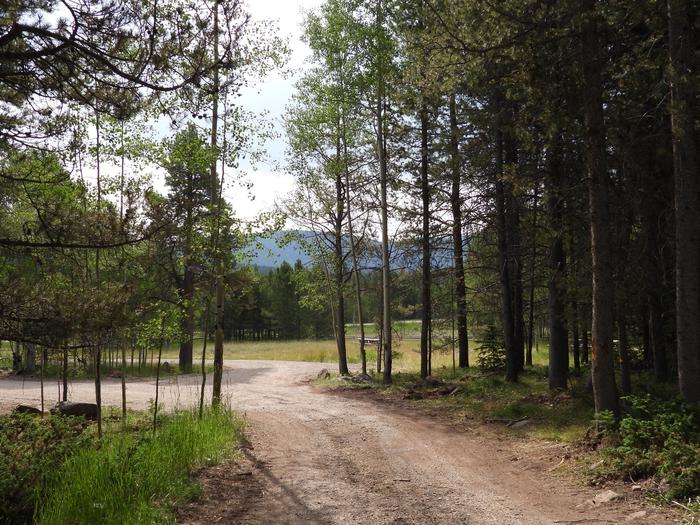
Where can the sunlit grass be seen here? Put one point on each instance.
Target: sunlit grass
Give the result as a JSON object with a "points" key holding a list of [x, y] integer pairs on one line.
{"points": [[138, 477], [407, 352]]}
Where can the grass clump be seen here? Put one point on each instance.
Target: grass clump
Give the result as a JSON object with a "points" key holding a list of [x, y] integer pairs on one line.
{"points": [[31, 449], [139, 476], [654, 439]]}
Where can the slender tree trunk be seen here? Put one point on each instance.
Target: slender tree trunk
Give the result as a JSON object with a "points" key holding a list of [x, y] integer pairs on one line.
{"points": [[338, 267], [603, 372], [41, 379], [457, 241], [16, 356], [558, 332], [216, 204], [187, 342], [683, 70], [185, 357], [515, 257], [98, 347], [383, 183], [657, 281], [624, 222], [657, 340], [576, 340], [584, 339], [380, 333], [204, 357], [353, 253], [218, 340], [533, 258], [425, 246], [160, 357], [122, 262], [625, 372], [65, 372], [574, 284], [504, 267], [123, 381]]}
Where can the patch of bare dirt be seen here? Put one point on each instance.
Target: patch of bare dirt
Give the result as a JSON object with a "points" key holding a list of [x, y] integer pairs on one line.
{"points": [[229, 492]]}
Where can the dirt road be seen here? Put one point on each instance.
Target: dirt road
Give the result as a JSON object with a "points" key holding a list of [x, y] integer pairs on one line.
{"points": [[316, 457]]}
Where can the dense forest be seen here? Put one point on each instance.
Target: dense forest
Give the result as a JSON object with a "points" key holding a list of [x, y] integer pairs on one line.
{"points": [[551, 145], [506, 172]]}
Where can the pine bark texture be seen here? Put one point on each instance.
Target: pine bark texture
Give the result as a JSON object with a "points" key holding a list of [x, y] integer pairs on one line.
{"points": [[425, 247], [504, 266], [682, 47], [558, 332], [457, 240], [602, 369]]}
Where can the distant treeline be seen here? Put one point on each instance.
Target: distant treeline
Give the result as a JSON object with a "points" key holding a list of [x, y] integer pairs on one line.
{"points": [[295, 302]]}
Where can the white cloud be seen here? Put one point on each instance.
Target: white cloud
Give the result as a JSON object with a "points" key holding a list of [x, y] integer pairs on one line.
{"points": [[266, 189]]}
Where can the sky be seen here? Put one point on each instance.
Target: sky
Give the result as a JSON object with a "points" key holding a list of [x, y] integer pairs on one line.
{"points": [[269, 183]]}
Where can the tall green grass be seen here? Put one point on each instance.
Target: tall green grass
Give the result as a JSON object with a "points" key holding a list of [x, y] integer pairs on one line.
{"points": [[138, 477]]}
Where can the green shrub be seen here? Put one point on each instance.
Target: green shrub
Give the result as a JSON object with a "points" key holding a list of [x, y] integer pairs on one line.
{"points": [[138, 477], [31, 448], [492, 354], [656, 439]]}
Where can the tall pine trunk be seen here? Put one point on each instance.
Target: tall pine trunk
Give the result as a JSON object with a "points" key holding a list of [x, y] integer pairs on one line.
{"points": [[504, 268], [383, 183], [603, 372], [682, 47], [426, 300], [531, 290], [558, 333], [514, 250], [457, 241]]}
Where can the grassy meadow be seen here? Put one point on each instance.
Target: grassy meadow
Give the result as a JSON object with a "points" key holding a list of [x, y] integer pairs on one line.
{"points": [[406, 349], [406, 353]]}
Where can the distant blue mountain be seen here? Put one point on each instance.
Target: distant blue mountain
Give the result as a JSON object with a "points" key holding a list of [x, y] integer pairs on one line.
{"points": [[270, 252]]}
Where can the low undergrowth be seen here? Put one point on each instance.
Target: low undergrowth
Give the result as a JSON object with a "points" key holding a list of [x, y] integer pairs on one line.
{"points": [[54, 470], [657, 440], [485, 396], [31, 449]]}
